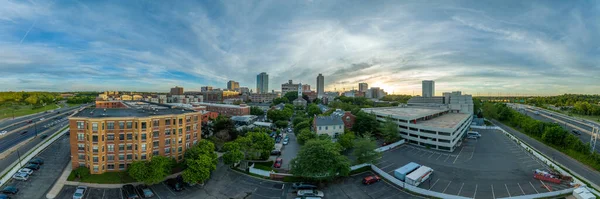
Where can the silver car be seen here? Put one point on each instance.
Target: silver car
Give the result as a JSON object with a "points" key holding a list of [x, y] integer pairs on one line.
{"points": [[79, 192], [310, 192], [21, 176]]}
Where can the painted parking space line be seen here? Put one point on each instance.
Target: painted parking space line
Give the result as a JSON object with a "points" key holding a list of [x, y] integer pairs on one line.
{"points": [[103, 193], [458, 155], [521, 188], [155, 193], [426, 152], [439, 156], [386, 166], [493, 194], [168, 188], [431, 155], [507, 191], [447, 187], [447, 158], [434, 184], [474, 194], [461, 186], [533, 187], [546, 186]]}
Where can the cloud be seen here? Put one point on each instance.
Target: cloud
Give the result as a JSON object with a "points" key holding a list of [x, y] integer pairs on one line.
{"points": [[533, 47]]}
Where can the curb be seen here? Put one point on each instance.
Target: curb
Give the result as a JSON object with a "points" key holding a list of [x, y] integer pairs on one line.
{"points": [[60, 183]]}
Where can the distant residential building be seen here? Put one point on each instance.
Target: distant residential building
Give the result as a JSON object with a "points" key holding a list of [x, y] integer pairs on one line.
{"points": [[289, 87], [363, 87], [305, 87], [110, 104], [320, 85], [312, 95], [262, 83], [226, 109], [208, 115], [206, 88], [428, 88], [263, 97], [233, 85], [331, 96], [243, 90], [347, 117], [137, 97], [244, 119], [217, 96], [350, 93], [299, 102], [176, 91], [330, 125], [375, 93], [126, 97]]}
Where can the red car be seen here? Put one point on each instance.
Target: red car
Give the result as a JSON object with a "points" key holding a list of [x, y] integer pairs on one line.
{"points": [[371, 179], [278, 163]]}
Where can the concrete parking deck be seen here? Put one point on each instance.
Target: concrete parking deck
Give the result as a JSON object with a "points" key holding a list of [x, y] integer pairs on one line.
{"points": [[490, 167]]}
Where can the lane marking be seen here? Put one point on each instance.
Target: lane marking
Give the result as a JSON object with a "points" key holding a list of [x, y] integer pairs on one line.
{"points": [[103, 193], [447, 158], [434, 184], [474, 194], [546, 186], [493, 194], [458, 155], [447, 187], [507, 191], [431, 155], [439, 156], [461, 186], [521, 188], [533, 187]]}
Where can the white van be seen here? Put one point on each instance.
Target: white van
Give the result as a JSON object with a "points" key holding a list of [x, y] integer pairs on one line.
{"points": [[473, 133]]}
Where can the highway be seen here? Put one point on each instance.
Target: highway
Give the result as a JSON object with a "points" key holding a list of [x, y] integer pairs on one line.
{"points": [[10, 125], [14, 138]]}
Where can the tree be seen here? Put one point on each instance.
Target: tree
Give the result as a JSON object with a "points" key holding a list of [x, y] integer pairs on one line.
{"points": [[233, 154], [389, 131], [554, 135], [280, 100], [278, 115], [317, 101], [281, 124], [313, 109], [139, 171], [301, 125], [159, 167], [224, 128], [320, 160], [297, 120], [364, 150], [254, 145], [198, 170], [291, 96], [204, 147], [305, 135], [255, 110], [364, 123], [346, 140]]}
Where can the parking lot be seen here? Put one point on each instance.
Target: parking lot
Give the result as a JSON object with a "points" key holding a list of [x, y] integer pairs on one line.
{"points": [[489, 167], [352, 187], [56, 156]]}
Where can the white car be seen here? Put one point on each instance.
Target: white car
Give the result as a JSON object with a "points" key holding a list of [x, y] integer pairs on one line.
{"points": [[79, 192], [25, 170], [21, 176], [310, 192], [3, 132]]}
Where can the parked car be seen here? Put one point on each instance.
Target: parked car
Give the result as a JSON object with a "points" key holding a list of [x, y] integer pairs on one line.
{"points": [[371, 179], [3, 196], [576, 132], [308, 197], [285, 142], [275, 152], [33, 166], [22, 133], [278, 140], [25, 170], [3, 132], [472, 137], [303, 185], [129, 192], [21, 176], [39, 161], [43, 137], [41, 119], [310, 192], [79, 192], [278, 163], [174, 184], [10, 190], [144, 191]]}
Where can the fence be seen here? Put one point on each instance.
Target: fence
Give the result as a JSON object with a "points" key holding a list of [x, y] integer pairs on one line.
{"points": [[13, 168], [259, 171], [390, 146]]}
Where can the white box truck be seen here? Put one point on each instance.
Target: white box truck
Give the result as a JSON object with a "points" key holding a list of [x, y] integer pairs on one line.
{"points": [[583, 193], [401, 172], [418, 176]]}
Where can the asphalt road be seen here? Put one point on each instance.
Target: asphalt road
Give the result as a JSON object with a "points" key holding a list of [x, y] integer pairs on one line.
{"points": [[15, 125], [9, 124], [289, 151], [588, 173], [543, 116], [15, 138]]}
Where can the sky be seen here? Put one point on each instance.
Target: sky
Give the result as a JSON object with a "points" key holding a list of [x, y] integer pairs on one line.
{"points": [[478, 47]]}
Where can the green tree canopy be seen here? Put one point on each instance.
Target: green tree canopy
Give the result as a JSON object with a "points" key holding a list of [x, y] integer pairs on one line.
{"points": [[151, 172], [364, 150], [281, 124], [313, 109], [291, 96], [305, 135], [255, 110], [301, 125], [320, 160], [346, 140], [389, 131], [364, 123], [198, 170]]}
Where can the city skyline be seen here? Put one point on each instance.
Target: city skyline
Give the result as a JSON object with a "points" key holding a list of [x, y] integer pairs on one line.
{"points": [[526, 48]]}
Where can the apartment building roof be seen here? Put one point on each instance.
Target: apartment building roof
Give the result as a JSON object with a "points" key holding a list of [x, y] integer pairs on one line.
{"points": [[135, 109]]}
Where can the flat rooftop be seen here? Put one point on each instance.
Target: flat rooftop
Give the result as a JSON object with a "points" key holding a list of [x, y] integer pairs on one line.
{"points": [[449, 120], [136, 109], [405, 113]]}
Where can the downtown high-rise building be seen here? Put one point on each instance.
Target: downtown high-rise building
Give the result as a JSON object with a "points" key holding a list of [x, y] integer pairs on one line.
{"points": [[363, 87], [428, 88], [232, 85], [262, 83], [320, 85], [176, 91]]}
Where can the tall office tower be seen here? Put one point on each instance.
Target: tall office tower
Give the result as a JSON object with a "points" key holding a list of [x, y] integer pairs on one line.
{"points": [[320, 85], [262, 83], [363, 87], [428, 88], [232, 85], [206, 88]]}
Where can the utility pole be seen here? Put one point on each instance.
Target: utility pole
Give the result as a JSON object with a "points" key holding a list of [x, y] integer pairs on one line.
{"points": [[594, 138], [35, 125], [19, 156]]}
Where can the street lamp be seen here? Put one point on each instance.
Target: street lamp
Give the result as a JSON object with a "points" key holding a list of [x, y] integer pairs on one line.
{"points": [[35, 126]]}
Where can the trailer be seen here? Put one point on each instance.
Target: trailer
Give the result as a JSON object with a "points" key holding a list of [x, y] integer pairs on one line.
{"points": [[401, 172], [418, 176], [545, 176]]}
